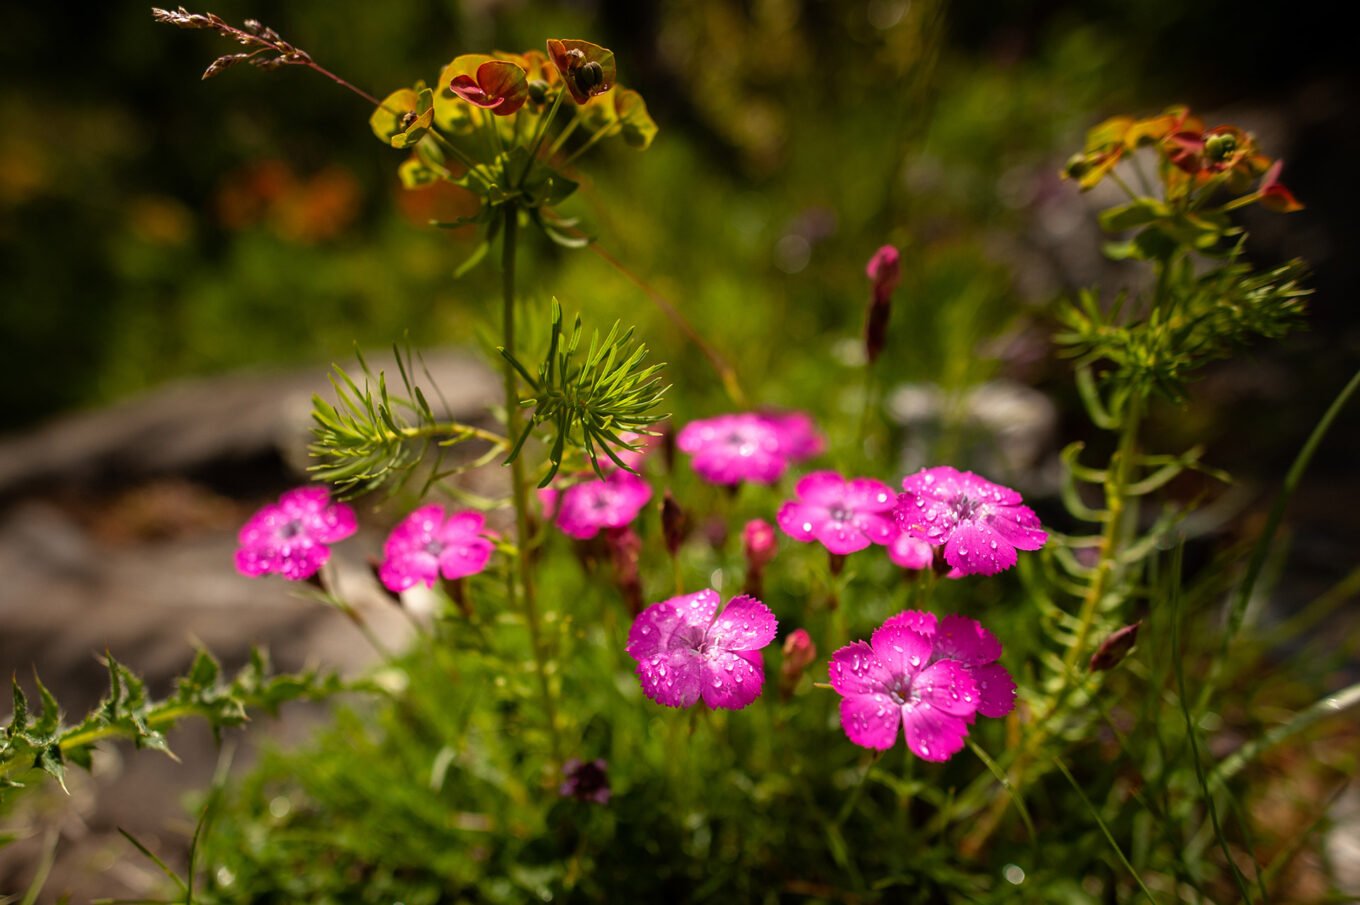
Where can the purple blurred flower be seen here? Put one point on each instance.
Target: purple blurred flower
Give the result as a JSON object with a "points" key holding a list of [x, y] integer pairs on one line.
{"points": [[845, 516], [429, 543], [291, 537], [683, 652], [979, 524], [585, 780], [583, 509], [748, 446], [929, 679]]}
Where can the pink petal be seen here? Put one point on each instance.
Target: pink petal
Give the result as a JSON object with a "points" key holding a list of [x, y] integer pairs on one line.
{"points": [[840, 537], [821, 488], [746, 624], [460, 560], [996, 690], [253, 562], [731, 680], [948, 687], [979, 488], [923, 517], [963, 639], [1019, 526], [975, 550], [398, 573], [932, 734], [796, 433], [461, 526], [303, 560], [799, 521], [902, 651], [875, 527], [671, 678], [933, 483], [656, 627], [919, 621], [868, 495], [854, 670], [910, 552], [871, 720]]}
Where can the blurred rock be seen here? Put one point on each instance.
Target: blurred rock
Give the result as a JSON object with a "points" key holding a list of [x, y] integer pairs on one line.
{"points": [[195, 426], [1003, 429]]}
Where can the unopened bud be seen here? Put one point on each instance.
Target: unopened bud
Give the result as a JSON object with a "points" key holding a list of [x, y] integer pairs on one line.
{"points": [[799, 652], [758, 541], [1077, 166], [672, 523], [1115, 648], [538, 91], [625, 547]]}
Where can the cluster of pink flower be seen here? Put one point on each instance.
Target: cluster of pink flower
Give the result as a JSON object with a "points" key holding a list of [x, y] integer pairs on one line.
{"points": [[292, 538], [931, 678]]}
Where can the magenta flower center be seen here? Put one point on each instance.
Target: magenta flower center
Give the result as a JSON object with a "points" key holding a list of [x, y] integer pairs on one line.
{"points": [[840, 513], [290, 530], [434, 547]]}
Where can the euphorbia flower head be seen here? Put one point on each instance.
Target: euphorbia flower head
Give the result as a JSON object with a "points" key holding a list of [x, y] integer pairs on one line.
{"points": [[748, 446], [979, 524], [930, 678], [291, 537], [583, 509], [845, 516], [430, 543], [685, 650], [587, 69], [499, 86]]}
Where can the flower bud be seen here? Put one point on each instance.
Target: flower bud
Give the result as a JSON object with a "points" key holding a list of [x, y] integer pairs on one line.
{"points": [[538, 91], [799, 652], [625, 548], [1115, 648], [672, 523], [758, 541], [1077, 166]]}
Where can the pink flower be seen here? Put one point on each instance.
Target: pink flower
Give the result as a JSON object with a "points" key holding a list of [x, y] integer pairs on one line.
{"points": [[930, 679], [980, 524], [428, 543], [683, 652], [845, 516], [583, 509], [798, 437], [729, 449], [910, 552], [290, 538]]}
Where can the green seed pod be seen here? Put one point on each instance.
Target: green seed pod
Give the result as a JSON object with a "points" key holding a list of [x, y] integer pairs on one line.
{"points": [[589, 77], [1077, 166], [538, 91]]}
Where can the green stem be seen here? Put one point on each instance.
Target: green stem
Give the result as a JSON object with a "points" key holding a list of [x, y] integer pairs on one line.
{"points": [[519, 484], [1047, 719]]}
